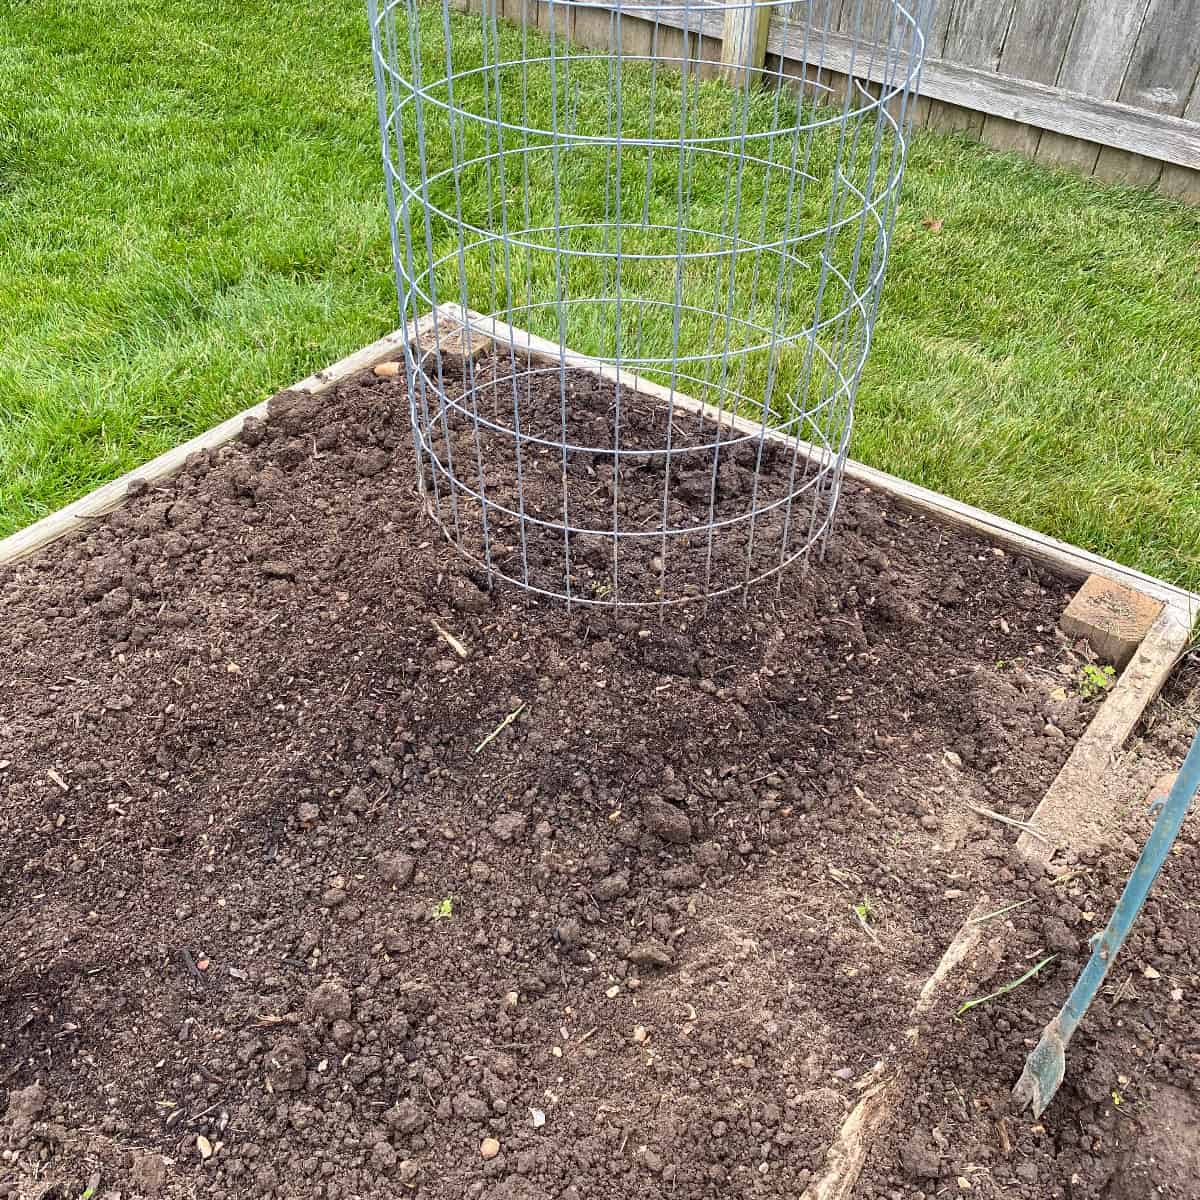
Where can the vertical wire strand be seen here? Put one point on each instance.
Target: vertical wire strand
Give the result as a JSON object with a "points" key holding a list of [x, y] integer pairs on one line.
{"points": [[617, 283], [676, 309], [506, 259], [455, 132], [560, 305], [385, 110]]}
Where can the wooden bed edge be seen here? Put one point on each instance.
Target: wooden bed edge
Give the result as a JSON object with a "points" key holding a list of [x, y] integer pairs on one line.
{"points": [[1073, 810], [112, 495]]}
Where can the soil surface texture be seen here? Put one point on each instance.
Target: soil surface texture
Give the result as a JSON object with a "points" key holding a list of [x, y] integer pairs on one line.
{"points": [[661, 504], [1124, 1123], [327, 870]]}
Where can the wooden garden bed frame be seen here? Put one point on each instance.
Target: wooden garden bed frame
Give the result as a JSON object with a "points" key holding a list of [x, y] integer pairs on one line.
{"points": [[1069, 805]]}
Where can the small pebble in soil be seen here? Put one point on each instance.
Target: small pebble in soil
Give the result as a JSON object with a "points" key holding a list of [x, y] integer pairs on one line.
{"points": [[653, 1161], [489, 1148], [370, 462], [612, 886], [253, 431], [919, 1159], [396, 869], [509, 825], [1058, 937], [25, 1105], [406, 1116]]}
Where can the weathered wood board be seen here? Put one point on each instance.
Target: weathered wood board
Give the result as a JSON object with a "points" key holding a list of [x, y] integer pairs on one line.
{"points": [[1107, 87], [744, 44], [1170, 138], [975, 39], [1180, 182], [1034, 48], [1094, 64], [1161, 75]]}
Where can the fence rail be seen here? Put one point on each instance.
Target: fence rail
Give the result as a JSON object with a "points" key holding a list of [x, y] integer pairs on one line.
{"points": [[1108, 87]]}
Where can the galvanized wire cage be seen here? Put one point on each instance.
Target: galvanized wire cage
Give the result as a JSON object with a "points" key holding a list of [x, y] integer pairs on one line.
{"points": [[639, 183]]}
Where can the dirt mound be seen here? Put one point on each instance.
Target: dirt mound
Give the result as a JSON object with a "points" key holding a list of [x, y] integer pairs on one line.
{"points": [[300, 901]]}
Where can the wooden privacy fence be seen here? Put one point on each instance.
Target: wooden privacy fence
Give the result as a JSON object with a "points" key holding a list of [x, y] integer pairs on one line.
{"points": [[1107, 87]]}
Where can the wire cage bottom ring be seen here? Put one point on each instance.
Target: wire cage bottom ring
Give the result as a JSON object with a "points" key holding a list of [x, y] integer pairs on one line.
{"points": [[687, 503]]}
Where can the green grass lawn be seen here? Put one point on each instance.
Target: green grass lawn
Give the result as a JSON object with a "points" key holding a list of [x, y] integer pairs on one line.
{"points": [[192, 216]]}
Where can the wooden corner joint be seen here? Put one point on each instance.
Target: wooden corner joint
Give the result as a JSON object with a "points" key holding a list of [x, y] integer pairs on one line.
{"points": [[1112, 618], [453, 336]]}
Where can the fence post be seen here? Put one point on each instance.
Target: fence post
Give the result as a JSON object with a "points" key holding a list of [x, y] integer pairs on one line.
{"points": [[744, 41]]}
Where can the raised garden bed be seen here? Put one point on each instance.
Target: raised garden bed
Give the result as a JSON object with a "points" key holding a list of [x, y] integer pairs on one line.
{"points": [[323, 863]]}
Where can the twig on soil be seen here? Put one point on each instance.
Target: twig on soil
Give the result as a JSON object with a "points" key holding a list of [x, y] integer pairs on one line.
{"points": [[290, 1018], [865, 927], [999, 912], [1024, 826], [760, 778], [512, 716], [190, 963], [1005, 1140], [1008, 987], [450, 640]]}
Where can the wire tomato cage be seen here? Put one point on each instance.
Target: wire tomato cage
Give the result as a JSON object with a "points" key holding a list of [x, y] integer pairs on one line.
{"points": [[614, 185]]}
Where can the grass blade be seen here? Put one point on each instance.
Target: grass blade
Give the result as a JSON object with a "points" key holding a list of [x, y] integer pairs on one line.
{"points": [[999, 912], [1008, 987]]}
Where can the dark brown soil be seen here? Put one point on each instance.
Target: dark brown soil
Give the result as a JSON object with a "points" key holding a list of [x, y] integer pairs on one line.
{"points": [[1125, 1121], [734, 506], [271, 909]]}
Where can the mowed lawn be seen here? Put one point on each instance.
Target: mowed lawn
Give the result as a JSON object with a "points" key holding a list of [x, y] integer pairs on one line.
{"points": [[192, 216]]}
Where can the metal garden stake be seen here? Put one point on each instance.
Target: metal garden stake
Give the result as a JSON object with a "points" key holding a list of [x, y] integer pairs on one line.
{"points": [[1047, 1062]]}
